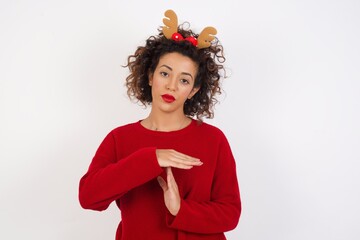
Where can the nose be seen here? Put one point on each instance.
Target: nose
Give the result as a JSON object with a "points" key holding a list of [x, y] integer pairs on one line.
{"points": [[171, 84]]}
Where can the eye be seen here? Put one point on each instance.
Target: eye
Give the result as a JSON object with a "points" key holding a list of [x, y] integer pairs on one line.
{"points": [[184, 81], [164, 74]]}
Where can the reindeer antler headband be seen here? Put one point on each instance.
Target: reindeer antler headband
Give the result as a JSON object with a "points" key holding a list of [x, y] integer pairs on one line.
{"points": [[170, 32]]}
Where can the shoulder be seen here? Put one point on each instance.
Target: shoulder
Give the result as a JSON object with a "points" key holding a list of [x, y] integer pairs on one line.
{"points": [[208, 127], [211, 137], [126, 127], [124, 130], [210, 130]]}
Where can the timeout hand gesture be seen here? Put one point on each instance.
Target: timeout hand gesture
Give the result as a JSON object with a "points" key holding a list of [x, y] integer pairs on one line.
{"points": [[170, 158]]}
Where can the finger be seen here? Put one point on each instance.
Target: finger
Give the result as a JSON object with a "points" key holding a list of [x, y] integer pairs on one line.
{"points": [[183, 164], [162, 183], [170, 157], [180, 165], [170, 179], [185, 159], [169, 173]]}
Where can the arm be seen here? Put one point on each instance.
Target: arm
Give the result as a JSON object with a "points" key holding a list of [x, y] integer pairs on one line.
{"points": [[221, 213], [108, 178]]}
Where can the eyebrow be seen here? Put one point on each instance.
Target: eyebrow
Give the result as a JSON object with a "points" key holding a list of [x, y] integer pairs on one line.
{"points": [[184, 73]]}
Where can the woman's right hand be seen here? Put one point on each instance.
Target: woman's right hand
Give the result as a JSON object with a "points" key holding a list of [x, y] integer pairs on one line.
{"points": [[172, 158]]}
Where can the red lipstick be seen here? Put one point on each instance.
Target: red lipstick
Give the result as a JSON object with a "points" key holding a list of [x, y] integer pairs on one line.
{"points": [[168, 98]]}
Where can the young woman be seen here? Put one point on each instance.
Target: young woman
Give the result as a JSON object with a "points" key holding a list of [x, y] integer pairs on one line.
{"points": [[171, 175]]}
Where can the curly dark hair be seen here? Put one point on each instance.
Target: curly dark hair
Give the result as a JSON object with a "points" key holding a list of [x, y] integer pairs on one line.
{"points": [[209, 60]]}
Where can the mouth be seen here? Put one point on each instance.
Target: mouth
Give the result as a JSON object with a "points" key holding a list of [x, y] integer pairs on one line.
{"points": [[168, 98]]}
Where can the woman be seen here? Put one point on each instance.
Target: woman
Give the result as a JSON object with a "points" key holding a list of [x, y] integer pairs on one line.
{"points": [[173, 177]]}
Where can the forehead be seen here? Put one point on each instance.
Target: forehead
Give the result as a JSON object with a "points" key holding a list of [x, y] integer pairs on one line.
{"points": [[178, 62]]}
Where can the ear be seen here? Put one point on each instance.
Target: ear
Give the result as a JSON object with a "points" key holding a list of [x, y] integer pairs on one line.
{"points": [[193, 92], [150, 77]]}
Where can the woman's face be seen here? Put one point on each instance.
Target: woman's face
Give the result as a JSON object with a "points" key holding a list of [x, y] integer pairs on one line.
{"points": [[172, 82]]}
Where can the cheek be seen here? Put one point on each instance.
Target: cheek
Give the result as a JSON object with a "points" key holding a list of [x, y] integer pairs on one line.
{"points": [[186, 92], [155, 83]]}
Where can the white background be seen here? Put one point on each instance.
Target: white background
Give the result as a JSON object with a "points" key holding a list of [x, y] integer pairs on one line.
{"points": [[290, 110]]}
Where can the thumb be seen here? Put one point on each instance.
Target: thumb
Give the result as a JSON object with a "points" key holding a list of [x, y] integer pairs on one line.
{"points": [[162, 183]]}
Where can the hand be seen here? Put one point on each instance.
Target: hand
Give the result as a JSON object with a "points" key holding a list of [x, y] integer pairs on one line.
{"points": [[172, 158], [171, 192]]}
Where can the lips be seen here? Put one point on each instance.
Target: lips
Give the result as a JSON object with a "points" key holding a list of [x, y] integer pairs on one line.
{"points": [[168, 98]]}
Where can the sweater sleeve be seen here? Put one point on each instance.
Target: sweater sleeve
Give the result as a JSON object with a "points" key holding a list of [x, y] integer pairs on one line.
{"points": [[222, 212], [108, 177]]}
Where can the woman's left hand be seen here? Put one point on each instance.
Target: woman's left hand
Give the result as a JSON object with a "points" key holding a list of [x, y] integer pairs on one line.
{"points": [[171, 192]]}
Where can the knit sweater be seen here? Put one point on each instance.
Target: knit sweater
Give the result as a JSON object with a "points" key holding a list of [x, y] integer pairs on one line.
{"points": [[125, 167]]}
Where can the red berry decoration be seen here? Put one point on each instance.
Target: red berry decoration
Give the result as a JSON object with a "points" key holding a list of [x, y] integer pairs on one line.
{"points": [[192, 40], [177, 37]]}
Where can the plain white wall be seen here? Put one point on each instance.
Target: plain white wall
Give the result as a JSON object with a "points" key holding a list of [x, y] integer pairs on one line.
{"points": [[290, 110]]}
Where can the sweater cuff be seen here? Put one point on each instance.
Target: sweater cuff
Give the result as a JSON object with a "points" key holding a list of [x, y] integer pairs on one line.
{"points": [[174, 221], [155, 165]]}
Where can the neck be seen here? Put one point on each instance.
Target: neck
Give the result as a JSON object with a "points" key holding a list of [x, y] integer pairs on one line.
{"points": [[166, 122]]}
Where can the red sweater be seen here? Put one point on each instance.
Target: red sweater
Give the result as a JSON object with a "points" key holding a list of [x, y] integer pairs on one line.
{"points": [[125, 167]]}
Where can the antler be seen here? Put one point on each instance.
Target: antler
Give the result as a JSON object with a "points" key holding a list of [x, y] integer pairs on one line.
{"points": [[171, 24], [204, 39]]}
